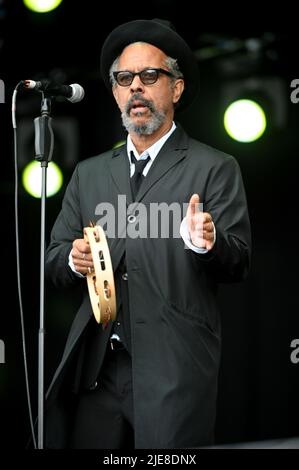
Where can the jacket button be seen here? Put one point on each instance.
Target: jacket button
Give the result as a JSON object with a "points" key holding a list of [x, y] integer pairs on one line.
{"points": [[131, 219], [125, 276]]}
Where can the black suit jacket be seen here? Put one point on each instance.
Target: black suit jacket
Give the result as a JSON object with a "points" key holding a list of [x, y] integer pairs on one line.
{"points": [[175, 322]]}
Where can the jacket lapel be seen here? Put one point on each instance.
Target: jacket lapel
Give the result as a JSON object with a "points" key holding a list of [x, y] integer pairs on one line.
{"points": [[120, 171], [172, 152]]}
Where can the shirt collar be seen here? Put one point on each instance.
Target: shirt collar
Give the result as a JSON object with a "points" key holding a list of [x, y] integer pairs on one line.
{"points": [[153, 150]]}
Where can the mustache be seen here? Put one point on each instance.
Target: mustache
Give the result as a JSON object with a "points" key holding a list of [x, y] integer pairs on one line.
{"points": [[144, 102]]}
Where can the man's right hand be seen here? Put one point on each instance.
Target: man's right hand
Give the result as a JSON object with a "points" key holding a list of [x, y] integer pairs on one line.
{"points": [[81, 256]]}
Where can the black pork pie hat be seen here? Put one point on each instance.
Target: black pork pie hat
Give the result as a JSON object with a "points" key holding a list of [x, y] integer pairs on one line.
{"points": [[159, 33]]}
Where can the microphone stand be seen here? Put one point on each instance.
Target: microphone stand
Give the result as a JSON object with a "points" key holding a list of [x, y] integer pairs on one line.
{"points": [[44, 144]]}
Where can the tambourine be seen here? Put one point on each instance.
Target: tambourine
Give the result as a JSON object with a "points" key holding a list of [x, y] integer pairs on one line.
{"points": [[100, 281]]}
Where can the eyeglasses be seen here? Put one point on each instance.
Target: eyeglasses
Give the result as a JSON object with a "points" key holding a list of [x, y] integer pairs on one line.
{"points": [[147, 76]]}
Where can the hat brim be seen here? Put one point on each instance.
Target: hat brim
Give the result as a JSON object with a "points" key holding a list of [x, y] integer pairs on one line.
{"points": [[159, 35]]}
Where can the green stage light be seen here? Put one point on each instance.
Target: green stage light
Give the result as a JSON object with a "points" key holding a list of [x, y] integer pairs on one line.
{"points": [[32, 177], [245, 121], [42, 6]]}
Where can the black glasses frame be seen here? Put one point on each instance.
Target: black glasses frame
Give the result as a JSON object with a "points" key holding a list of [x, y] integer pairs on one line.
{"points": [[142, 76]]}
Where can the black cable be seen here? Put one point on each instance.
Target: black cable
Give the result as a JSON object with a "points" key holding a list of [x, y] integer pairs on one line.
{"points": [[18, 261]]}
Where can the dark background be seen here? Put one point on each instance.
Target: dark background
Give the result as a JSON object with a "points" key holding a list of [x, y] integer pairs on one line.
{"points": [[258, 387]]}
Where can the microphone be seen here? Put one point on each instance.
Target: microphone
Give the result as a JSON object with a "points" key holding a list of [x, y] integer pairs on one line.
{"points": [[74, 92]]}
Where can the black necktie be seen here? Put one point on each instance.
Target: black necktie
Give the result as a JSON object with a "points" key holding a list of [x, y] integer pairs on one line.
{"points": [[137, 178]]}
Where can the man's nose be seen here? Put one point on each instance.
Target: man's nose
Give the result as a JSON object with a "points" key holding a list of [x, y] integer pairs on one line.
{"points": [[137, 84]]}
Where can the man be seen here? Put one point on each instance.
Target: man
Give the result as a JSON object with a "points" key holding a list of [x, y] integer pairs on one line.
{"points": [[148, 380]]}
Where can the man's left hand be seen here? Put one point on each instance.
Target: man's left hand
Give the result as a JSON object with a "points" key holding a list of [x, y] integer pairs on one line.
{"points": [[200, 225]]}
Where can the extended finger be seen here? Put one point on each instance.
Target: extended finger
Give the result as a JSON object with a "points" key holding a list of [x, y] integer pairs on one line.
{"points": [[194, 204], [193, 209]]}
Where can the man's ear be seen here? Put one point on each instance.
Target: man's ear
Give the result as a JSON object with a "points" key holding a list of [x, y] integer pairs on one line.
{"points": [[178, 90]]}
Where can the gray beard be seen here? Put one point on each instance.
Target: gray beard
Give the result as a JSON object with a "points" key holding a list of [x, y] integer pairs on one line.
{"points": [[148, 128], [154, 123]]}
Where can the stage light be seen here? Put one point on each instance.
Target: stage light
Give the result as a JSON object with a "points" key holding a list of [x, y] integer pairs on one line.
{"points": [[245, 120], [42, 6], [32, 176]]}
